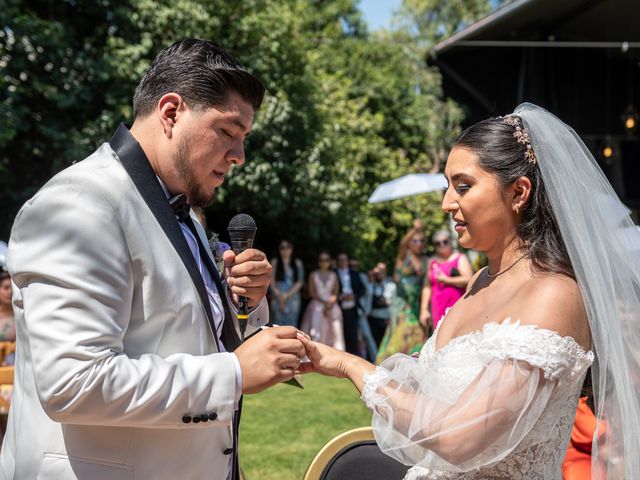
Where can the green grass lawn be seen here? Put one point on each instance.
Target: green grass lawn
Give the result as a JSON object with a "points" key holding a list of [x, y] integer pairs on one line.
{"points": [[284, 427]]}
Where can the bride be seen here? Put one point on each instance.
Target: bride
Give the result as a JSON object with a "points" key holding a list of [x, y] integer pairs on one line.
{"points": [[493, 393]]}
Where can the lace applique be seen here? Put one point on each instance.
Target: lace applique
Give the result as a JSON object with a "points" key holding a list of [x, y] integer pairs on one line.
{"points": [[521, 342], [370, 395], [540, 454]]}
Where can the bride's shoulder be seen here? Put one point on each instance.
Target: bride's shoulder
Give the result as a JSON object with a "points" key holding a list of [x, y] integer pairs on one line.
{"points": [[554, 302]]}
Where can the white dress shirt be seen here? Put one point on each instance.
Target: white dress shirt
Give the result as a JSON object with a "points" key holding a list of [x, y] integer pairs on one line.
{"points": [[345, 279]]}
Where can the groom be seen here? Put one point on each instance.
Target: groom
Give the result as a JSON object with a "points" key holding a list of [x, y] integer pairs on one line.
{"points": [[129, 363]]}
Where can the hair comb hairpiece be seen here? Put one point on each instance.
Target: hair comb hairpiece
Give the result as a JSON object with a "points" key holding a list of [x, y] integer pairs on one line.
{"points": [[522, 136]]}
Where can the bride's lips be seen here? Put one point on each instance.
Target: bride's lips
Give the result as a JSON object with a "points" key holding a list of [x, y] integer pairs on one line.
{"points": [[460, 226]]}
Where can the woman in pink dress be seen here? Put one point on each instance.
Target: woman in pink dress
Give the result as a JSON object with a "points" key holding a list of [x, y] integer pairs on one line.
{"points": [[322, 319], [446, 279]]}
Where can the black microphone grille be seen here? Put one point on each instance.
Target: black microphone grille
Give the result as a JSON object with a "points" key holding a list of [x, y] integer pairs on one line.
{"points": [[242, 221]]}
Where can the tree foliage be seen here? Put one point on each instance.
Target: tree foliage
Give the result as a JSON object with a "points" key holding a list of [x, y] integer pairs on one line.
{"points": [[346, 109], [433, 20]]}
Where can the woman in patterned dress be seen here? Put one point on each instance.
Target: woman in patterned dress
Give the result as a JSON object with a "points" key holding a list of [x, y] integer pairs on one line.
{"points": [[404, 333]]}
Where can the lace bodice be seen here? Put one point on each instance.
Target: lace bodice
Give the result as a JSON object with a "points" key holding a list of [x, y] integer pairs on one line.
{"points": [[493, 404]]}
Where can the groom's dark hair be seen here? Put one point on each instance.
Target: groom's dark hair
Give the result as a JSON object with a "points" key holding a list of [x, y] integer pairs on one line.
{"points": [[201, 72]]}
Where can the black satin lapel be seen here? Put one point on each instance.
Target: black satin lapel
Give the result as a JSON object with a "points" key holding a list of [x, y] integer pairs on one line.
{"points": [[137, 165], [229, 334]]}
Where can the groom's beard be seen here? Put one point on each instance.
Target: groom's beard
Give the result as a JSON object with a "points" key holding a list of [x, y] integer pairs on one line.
{"points": [[197, 196]]}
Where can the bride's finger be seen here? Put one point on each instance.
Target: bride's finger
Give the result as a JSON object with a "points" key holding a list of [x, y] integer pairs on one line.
{"points": [[312, 349], [309, 345], [306, 367], [302, 335]]}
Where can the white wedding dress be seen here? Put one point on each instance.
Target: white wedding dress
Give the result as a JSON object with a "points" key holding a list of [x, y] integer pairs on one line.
{"points": [[493, 404]]}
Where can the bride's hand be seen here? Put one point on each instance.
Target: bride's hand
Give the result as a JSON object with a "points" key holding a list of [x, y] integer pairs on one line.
{"points": [[324, 359]]}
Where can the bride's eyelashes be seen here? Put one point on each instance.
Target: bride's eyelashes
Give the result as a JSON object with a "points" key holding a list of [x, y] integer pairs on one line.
{"points": [[460, 188]]}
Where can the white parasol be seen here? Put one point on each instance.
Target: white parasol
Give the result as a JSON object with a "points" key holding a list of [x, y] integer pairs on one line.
{"points": [[407, 185]]}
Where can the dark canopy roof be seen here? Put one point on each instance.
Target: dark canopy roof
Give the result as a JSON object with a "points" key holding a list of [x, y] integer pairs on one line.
{"points": [[564, 20], [577, 58]]}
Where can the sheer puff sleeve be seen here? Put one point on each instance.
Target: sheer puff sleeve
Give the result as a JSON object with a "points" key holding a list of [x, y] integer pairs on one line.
{"points": [[472, 402]]}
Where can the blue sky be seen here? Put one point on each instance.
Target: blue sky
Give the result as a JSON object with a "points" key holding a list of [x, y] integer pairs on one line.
{"points": [[377, 13]]}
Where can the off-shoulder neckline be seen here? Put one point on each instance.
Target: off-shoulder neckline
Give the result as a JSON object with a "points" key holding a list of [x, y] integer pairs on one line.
{"points": [[454, 340]]}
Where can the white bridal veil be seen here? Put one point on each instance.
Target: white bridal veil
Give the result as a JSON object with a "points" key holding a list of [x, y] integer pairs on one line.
{"points": [[604, 248]]}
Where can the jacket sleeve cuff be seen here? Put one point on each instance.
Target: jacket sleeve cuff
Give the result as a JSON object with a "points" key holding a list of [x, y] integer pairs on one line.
{"points": [[236, 364]]}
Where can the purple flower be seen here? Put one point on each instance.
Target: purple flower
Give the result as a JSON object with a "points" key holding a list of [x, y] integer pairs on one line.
{"points": [[221, 247]]}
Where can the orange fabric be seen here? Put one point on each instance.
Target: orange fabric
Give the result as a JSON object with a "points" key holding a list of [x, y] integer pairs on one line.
{"points": [[577, 462]]}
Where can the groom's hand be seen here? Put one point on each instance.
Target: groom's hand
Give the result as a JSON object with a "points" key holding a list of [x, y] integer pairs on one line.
{"points": [[269, 357], [248, 274]]}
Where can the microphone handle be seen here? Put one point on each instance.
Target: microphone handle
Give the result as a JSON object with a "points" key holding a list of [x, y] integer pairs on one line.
{"points": [[239, 246]]}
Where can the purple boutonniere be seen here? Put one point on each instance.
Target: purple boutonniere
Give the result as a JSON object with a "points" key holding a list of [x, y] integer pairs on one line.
{"points": [[218, 248]]}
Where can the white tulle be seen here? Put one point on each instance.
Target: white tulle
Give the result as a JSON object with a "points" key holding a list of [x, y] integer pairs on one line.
{"points": [[493, 404], [604, 248]]}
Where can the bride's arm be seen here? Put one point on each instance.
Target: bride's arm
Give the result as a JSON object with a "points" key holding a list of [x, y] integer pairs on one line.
{"points": [[420, 419], [414, 409]]}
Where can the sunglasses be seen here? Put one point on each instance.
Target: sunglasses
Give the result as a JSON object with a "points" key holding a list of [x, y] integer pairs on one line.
{"points": [[417, 240], [285, 247], [324, 260], [442, 243]]}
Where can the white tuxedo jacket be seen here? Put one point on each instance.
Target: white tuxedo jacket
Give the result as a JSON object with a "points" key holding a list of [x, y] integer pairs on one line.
{"points": [[117, 373]]}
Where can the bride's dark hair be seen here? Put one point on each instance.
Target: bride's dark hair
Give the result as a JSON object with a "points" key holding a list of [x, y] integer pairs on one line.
{"points": [[500, 153]]}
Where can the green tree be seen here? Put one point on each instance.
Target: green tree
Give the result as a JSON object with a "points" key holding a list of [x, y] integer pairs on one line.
{"points": [[53, 79], [433, 20], [345, 110]]}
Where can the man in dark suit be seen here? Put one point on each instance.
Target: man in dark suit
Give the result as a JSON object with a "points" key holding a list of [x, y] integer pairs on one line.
{"points": [[351, 289]]}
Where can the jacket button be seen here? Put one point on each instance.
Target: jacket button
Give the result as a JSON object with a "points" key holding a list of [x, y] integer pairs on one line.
{"points": [[228, 451], [186, 419], [213, 416], [196, 419], [204, 417]]}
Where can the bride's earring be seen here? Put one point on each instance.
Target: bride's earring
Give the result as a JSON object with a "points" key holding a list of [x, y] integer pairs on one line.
{"points": [[517, 208]]}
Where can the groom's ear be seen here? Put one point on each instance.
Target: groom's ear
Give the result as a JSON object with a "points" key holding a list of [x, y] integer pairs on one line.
{"points": [[521, 192]]}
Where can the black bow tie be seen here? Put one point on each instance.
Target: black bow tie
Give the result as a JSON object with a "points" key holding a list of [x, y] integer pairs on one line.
{"points": [[180, 206]]}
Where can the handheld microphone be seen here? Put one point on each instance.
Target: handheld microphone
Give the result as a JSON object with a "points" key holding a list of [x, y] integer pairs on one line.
{"points": [[242, 230]]}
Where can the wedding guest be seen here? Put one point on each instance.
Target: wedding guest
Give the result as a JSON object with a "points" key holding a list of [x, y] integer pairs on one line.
{"points": [[404, 333], [383, 291], [7, 322], [578, 461], [367, 345], [287, 280], [447, 276], [351, 289], [322, 318], [493, 393]]}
